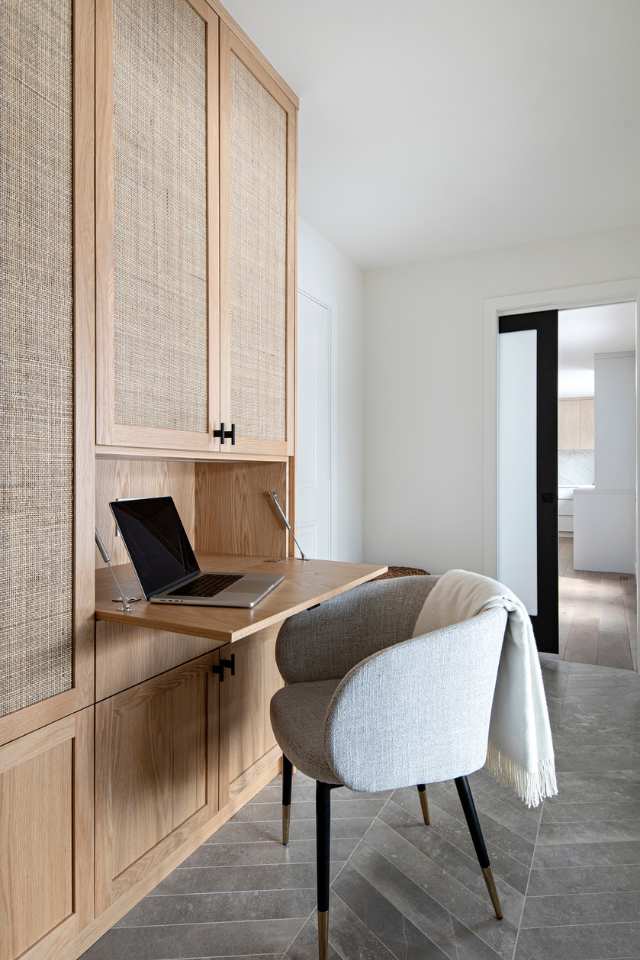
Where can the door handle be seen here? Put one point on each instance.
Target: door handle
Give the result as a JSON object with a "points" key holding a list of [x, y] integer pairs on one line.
{"points": [[223, 434], [230, 665]]}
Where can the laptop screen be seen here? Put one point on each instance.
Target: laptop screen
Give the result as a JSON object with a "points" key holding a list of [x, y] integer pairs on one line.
{"points": [[156, 540]]}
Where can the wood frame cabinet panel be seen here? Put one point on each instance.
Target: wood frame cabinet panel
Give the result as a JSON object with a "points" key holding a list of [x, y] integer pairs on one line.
{"points": [[156, 773], [246, 737], [109, 432], [20, 722], [46, 837], [231, 46]]}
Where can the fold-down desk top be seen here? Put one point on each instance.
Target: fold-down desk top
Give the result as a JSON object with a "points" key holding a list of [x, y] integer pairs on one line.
{"points": [[306, 584]]}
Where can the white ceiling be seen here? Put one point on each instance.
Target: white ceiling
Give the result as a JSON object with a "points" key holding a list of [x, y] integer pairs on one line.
{"points": [[435, 127], [583, 333]]}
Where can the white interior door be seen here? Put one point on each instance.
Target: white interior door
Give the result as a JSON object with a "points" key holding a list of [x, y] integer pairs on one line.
{"points": [[313, 449]]}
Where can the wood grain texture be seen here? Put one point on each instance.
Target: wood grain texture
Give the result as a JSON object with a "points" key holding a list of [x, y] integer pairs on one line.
{"points": [[141, 478], [31, 717], [245, 725], [46, 837], [156, 772], [233, 512], [204, 456], [127, 655], [305, 585], [157, 871]]}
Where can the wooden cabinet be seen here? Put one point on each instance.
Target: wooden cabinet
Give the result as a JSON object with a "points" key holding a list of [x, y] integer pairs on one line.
{"points": [[257, 240], [46, 384], [246, 737], [46, 838], [156, 772], [576, 424], [195, 244], [157, 224]]}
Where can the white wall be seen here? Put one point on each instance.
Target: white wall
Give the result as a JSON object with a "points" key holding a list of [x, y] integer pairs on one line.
{"points": [[424, 389], [329, 276]]}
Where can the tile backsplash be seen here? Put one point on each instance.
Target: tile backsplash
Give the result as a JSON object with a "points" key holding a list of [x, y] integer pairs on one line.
{"points": [[575, 467]]}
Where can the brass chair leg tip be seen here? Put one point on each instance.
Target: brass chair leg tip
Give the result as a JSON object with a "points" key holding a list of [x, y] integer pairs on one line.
{"points": [[323, 934], [424, 804], [286, 817], [487, 873]]}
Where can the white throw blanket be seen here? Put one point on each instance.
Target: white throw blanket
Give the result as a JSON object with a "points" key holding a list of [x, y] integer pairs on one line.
{"points": [[520, 746]]}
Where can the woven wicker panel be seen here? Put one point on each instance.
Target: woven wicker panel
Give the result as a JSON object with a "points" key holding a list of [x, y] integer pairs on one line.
{"points": [[36, 352], [160, 215], [258, 234]]}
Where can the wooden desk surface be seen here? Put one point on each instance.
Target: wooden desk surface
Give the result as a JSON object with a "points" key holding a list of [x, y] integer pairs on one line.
{"points": [[305, 584]]}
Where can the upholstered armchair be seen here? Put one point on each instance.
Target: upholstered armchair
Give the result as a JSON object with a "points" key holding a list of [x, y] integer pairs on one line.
{"points": [[370, 707]]}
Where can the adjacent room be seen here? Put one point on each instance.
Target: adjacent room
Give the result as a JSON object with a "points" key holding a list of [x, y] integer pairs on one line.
{"points": [[319, 479], [596, 484]]}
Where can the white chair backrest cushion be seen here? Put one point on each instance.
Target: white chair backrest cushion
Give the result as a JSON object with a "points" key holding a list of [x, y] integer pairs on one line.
{"points": [[419, 711]]}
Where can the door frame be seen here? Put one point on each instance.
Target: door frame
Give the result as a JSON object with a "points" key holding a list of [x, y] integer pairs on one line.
{"points": [[332, 406], [561, 298]]}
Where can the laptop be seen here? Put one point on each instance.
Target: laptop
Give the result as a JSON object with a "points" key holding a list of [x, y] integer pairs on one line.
{"points": [[166, 565]]}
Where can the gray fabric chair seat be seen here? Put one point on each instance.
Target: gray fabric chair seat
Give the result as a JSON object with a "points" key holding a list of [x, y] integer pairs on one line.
{"points": [[298, 714]]}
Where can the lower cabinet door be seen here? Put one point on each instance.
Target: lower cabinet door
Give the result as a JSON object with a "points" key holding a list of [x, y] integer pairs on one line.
{"points": [[246, 740], [46, 838], [156, 773]]}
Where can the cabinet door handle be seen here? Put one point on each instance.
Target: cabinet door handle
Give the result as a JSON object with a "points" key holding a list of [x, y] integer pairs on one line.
{"points": [[230, 665], [223, 434]]}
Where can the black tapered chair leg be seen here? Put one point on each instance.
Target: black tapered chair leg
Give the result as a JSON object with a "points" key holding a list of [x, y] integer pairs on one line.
{"points": [[323, 860], [287, 779], [424, 803], [471, 816]]}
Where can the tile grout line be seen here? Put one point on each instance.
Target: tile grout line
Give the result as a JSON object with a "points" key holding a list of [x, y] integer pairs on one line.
{"points": [[343, 864], [524, 899], [464, 852], [467, 889]]}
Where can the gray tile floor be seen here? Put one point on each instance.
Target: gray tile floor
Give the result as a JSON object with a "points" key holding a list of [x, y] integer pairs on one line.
{"points": [[568, 874]]}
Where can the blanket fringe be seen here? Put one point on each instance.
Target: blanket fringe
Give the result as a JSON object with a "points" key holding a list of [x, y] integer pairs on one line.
{"points": [[532, 786]]}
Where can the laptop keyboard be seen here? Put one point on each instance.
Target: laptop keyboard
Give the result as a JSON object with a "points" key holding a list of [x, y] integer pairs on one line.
{"points": [[208, 585]]}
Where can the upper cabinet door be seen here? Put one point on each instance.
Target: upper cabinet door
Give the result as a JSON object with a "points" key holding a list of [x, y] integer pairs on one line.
{"points": [[157, 224], [257, 248]]}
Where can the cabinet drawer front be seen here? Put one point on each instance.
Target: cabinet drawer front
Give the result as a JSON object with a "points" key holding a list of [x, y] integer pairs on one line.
{"points": [[257, 132], [46, 832], [156, 772]]}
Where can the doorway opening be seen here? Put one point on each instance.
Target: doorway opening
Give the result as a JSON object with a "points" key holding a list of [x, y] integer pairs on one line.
{"points": [[567, 479], [597, 484]]}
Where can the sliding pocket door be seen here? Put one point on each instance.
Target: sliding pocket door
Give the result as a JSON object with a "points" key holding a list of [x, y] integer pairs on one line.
{"points": [[528, 467]]}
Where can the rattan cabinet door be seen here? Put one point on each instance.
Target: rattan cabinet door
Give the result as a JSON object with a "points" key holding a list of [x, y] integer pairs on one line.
{"points": [[257, 247], [157, 180], [46, 362]]}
